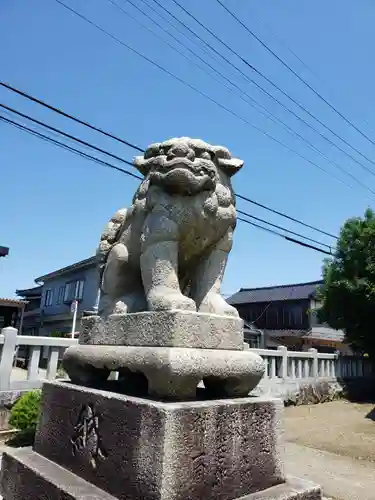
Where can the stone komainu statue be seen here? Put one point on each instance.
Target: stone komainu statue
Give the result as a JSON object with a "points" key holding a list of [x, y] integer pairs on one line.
{"points": [[169, 249]]}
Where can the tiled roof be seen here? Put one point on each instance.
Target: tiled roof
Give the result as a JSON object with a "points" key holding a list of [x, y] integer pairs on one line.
{"points": [[12, 302], [275, 293]]}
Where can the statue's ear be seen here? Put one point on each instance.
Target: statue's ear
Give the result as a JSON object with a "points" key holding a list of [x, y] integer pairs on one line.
{"points": [[143, 166], [230, 166]]}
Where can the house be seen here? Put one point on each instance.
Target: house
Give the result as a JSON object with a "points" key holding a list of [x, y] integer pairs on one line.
{"points": [[11, 312], [32, 311], [60, 288], [287, 314], [253, 336]]}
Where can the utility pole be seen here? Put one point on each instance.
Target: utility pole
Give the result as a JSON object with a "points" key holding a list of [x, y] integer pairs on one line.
{"points": [[74, 309]]}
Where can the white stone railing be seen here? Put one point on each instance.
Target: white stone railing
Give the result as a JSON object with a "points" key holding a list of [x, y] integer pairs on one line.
{"points": [[292, 365], [13, 379], [280, 364]]}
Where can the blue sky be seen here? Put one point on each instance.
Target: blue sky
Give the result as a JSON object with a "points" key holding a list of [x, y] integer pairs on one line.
{"points": [[55, 204]]}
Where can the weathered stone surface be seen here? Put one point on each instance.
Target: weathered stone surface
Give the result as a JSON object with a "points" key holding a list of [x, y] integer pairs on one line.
{"points": [[171, 371], [141, 449], [169, 249], [300, 392], [26, 475], [164, 329], [293, 489]]}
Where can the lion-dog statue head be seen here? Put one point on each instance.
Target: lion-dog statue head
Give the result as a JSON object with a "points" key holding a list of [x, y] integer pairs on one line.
{"points": [[187, 166]]}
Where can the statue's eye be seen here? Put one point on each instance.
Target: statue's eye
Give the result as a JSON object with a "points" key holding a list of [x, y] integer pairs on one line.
{"points": [[205, 155]]}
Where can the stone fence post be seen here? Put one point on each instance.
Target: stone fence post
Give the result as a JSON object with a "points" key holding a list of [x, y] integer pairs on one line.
{"points": [[315, 367], [7, 356], [283, 373]]}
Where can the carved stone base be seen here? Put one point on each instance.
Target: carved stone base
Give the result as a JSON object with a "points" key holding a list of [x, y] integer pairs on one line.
{"points": [[26, 475], [171, 372], [92, 444], [133, 448], [164, 329]]}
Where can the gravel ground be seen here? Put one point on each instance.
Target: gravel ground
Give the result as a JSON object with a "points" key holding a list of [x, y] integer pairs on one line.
{"points": [[333, 444], [340, 477], [340, 427]]}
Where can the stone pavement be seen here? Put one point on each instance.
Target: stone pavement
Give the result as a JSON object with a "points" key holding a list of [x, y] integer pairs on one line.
{"points": [[21, 374], [342, 478]]}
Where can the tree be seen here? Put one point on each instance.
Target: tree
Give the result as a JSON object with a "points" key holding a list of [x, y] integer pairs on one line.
{"points": [[348, 292]]}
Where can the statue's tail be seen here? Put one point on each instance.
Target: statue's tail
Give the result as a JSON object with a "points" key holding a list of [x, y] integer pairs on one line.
{"points": [[108, 238]]}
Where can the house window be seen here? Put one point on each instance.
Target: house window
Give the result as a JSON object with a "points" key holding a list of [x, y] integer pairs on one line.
{"points": [[68, 292], [48, 297], [73, 291], [78, 292], [295, 316], [253, 341], [60, 295], [315, 319]]}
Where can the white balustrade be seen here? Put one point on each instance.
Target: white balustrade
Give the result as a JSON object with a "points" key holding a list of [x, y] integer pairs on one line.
{"points": [[279, 364]]}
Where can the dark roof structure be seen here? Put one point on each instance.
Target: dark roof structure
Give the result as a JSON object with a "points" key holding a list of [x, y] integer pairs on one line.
{"points": [[82, 264], [34, 292], [296, 291]]}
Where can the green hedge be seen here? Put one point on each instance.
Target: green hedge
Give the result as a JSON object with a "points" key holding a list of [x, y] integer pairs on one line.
{"points": [[24, 416]]}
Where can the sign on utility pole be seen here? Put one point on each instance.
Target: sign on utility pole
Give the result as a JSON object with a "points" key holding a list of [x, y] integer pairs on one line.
{"points": [[74, 309], [4, 251]]}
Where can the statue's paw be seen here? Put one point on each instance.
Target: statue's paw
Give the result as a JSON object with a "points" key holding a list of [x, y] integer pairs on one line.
{"points": [[120, 308], [214, 303], [163, 299]]}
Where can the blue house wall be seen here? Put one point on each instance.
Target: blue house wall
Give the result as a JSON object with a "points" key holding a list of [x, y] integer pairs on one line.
{"points": [[90, 288], [55, 310]]}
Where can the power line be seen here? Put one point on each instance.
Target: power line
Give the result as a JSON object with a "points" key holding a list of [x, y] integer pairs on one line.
{"points": [[287, 47], [65, 134], [249, 200], [283, 229], [228, 110], [285, 215], [71, 117], [262, 75], [68, 148], [109, 165], [264, 45], [272, 231], [175, 48], [168, 21], [254, 102]]}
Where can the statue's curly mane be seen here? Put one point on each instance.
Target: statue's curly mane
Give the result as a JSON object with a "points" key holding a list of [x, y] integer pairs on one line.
{"points": [[212, 166]]}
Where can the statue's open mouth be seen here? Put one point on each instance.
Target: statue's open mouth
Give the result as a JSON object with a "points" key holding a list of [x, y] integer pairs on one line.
{"points": [[197, 168], [184, 176]]}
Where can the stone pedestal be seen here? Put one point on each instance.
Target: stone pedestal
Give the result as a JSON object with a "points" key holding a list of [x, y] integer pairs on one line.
{"points": [[173, 350], [164, 329], [99, 444], [171, 372]]}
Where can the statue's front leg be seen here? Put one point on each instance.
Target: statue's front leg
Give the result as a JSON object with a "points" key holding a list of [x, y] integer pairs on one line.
{"points": [[159, 264], [208, 276]]}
